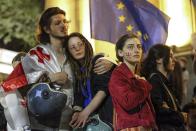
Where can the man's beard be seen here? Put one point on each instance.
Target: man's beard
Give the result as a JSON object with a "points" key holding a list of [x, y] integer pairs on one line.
{"points": [[58, 37]]}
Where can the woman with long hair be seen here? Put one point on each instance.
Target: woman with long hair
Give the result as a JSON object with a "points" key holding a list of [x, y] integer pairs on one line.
{"points": [[157, 66], [91, 95]]}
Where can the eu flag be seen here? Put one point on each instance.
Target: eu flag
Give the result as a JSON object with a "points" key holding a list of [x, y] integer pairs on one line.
{"points": [[111, 19]]}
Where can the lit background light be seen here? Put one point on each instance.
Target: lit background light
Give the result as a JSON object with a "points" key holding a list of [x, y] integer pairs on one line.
{"points": [[181, 22]]}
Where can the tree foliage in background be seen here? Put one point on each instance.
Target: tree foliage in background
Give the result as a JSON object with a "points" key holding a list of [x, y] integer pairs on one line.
{"points": [[18, 19]]}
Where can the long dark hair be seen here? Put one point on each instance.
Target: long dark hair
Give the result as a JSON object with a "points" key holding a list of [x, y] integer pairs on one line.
{"points": [[80, 76], [44, 22], [156, 52]]}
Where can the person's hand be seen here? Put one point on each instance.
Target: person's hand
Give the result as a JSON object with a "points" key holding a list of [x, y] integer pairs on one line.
{"points": [[74, 118], [102, 66], [185, 116], [164, 105], [139, 77], [44, 78], [82, 118], [59, 77], [23, 102]]}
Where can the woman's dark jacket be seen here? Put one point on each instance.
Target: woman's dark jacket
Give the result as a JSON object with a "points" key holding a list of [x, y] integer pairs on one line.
{"points": [[98, 83]]}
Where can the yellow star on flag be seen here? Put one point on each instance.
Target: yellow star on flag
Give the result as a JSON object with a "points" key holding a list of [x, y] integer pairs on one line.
{"points": [[121, 19], [139, 33], [129, 28], [120, 6]]}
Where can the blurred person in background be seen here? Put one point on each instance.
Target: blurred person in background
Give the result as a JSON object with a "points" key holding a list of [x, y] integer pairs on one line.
{"points": [[15, 106], [190, 108], [3, 122], [185, 79], [177, 82]]}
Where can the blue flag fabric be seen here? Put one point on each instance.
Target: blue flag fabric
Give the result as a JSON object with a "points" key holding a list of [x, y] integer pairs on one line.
{"points": [[110, 19]]}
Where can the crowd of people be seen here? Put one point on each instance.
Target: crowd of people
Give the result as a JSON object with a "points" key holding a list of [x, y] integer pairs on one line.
{"points": [[134, 94]]}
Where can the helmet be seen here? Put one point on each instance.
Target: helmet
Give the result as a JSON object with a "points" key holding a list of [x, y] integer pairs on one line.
{"points": [[43, 100]]}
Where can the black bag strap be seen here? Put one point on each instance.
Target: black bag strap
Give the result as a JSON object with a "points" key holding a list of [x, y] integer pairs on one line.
{"points": [[166, 89]]}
